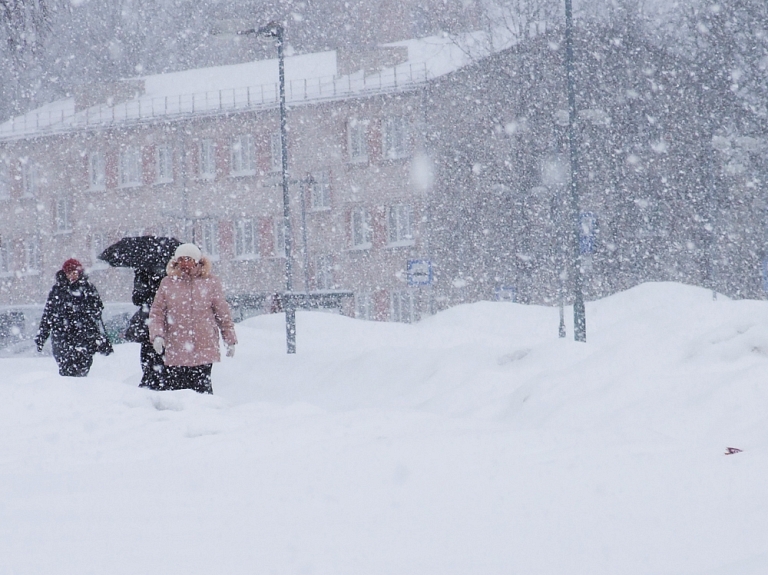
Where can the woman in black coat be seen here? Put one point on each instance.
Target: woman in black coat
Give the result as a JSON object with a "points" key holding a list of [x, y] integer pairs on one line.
{"points": [[145, 284], [72, 317]]}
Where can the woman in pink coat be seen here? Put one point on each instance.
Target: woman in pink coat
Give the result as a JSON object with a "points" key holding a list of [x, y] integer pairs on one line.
{"points": [[187, 315]]}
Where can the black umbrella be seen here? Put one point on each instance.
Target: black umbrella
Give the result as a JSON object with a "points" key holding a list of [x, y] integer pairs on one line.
{"points": [[151, 253]]}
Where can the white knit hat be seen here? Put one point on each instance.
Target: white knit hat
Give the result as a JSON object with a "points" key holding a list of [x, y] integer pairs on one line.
{"points": [[189, 251]]}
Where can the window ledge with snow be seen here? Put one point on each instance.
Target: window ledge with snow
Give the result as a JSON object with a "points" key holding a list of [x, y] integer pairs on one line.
{"points": [[402, 244]]}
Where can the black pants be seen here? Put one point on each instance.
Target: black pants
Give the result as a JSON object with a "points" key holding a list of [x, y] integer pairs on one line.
{"points": [[73, 362], [152, 367], [197, 377]]}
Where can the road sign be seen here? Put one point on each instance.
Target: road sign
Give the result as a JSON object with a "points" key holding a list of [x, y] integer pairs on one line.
{"points": [[419, 272]]}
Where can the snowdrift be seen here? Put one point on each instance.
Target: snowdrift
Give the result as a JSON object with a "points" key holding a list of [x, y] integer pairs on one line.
{"points": [[475, 441]]}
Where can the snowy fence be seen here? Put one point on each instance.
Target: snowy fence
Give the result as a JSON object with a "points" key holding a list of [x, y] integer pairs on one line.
{"points": [[216, 102]]}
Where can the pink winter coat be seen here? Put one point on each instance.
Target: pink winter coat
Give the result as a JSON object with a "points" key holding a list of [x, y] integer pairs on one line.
{"points": [[188, 313]]}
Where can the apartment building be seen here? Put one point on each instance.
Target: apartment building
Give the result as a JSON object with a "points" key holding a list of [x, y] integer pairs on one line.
{"points": [[197, 155]]}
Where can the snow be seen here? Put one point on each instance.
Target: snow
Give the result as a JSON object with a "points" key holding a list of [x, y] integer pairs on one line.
{"points": [[310, 78], [475, 441], [261, 72]]}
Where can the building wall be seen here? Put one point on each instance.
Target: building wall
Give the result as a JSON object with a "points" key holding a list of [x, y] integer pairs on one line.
{"points": [[326, 186]]}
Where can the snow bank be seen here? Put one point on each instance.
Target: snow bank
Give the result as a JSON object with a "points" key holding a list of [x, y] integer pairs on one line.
{"points": [[472, 442]]}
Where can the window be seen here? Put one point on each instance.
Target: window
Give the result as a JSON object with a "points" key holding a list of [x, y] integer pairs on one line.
{"points": [[324, 272], [32, 259], [395, 136], [402, 306], [5, 180], [400, 217], [207, 159], [246, 239], [320, 191], [164, 164], [276, 153], [130, 167], [363, 306], [243, 161], [97, 177], [357, 141], [210, 245], [62, 212], [98, 244], [29, 179], [360, 222], [5, 263], [278, 227]]}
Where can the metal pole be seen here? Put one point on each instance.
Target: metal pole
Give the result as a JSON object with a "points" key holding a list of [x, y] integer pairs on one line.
{"points": [[290, 312], [579, 314], [303, 185]]}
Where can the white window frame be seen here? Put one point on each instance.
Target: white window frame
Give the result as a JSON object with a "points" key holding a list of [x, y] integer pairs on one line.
{"points": [[210, 238], [130, 167], [395, 137], [97, 171], [324, 276], [5, 180], [400, 225], [357, 141], [361, 232], [278, 235], [320, 192], [6, 269], [62, 213], [243, 156], [246, 239], [33, 261], [29, 178], [164, 164], [402, 307], [363, 305], [98, 243], [207, 159], [275, 152]]}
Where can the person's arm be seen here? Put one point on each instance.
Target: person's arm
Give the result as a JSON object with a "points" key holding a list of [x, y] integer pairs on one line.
{"points": [[222, 314], [46, 322], [157, 313]]}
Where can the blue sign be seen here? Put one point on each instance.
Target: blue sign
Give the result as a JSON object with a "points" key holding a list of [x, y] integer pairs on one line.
{"points": [[506, 293], [587, 232], [419, 272], [764, 273]]}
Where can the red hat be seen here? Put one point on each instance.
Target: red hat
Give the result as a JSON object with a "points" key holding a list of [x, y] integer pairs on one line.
{"points": [[71, 265]]}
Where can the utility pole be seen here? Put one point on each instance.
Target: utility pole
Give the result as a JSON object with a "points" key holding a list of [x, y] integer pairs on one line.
{"points": [[579, 314]]}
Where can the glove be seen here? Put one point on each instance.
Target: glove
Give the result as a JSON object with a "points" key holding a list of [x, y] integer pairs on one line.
{"points": [[231, 350], [39, 345], [159, 345]]}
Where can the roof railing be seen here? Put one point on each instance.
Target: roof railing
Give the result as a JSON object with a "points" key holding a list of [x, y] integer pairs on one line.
{"points": [[215, 102]]}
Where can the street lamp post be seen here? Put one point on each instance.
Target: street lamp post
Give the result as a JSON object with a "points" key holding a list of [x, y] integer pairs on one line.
{"points": [[579, 314], [276, 31]]}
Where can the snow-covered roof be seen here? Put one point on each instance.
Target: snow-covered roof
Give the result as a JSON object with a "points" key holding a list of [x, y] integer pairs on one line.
{"points": [[247, 86]]}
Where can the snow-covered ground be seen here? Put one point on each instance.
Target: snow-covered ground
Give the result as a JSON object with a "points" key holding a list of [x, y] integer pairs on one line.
{"points": [[473, 442]]}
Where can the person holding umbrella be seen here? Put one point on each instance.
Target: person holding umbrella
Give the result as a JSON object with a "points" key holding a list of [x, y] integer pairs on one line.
{"points": [[187, 315], [72, 318], [148, 256]]}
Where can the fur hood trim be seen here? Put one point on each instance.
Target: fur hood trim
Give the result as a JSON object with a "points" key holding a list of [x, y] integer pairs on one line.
{"points": [[202, 270]]}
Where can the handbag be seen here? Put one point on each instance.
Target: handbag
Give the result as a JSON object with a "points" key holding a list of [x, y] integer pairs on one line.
{"points": [[137, 330]]}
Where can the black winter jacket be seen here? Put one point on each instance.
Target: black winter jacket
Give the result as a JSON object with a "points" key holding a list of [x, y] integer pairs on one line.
{"points": [[71, 316]]}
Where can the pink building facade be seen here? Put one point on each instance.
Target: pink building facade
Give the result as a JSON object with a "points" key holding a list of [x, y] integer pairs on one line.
{"points": [[204, 166]]}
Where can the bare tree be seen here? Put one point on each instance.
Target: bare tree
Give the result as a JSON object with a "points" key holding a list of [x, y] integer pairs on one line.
{"points": [[25, 23]]}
